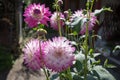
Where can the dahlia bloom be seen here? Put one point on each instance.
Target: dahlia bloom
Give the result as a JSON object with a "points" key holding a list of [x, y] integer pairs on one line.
{"points": [[91, 22], [33, 53], [54, 22], [58, 54], [36, 14]]}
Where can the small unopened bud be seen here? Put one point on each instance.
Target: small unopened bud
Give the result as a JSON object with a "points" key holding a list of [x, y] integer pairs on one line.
{"points": [[66, 13], [59, 2], [41, 32]]}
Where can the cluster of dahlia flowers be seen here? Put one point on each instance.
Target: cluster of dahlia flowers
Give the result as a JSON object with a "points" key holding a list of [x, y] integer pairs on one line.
{"points": [[56, 54], [36, 14], [64, 54]]}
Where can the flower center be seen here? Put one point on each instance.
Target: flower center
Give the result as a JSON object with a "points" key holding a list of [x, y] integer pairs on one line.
{"points": [[37, 14], [37, 11], [58, 53]]}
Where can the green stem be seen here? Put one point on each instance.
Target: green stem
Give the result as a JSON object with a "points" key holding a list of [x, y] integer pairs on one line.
{"points": [[86, 41], [89, 9], [58, 18], [59, 26], [69, 74], [86, 53], [47, 78], [92, 5]]}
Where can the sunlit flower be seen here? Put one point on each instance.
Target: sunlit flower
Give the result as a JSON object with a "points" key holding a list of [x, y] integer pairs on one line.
{"points": [[91, 22], [58, 54], [54, 21], [33, 53], [36, 14]]}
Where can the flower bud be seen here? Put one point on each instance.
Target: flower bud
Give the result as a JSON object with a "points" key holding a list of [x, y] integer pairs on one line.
{"points": [[41, 32], [66, 13], [59, 2]]}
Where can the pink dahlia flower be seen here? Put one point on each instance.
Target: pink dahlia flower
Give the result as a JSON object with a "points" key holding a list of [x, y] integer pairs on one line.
{"points": [[33, 54], [36, 14], [91, 22], [54, 22], [58, 54]]}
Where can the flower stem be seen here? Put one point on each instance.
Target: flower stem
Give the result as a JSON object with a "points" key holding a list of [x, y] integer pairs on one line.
{"points": [[86, 53], [47, 78], [89, 9], [69, 74], [59, 26], [58, 18], [92, 2]]}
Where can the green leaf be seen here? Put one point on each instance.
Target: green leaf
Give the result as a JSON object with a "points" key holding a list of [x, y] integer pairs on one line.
{"points": [[78, 66], [115, 50], [96, 12], [110, 66], [96, 62], [99, 37], [73, 43], [106, 65], [77, 77], [102, 73], [78, 23], [96, 54], [74, 33], [35, 29], [40, 26], [91, 52], [80, 57], [54, 76], [91, 77]]}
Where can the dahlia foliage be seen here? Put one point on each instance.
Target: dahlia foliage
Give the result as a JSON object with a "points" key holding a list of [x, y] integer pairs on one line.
{"points": [[68, 54]]}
